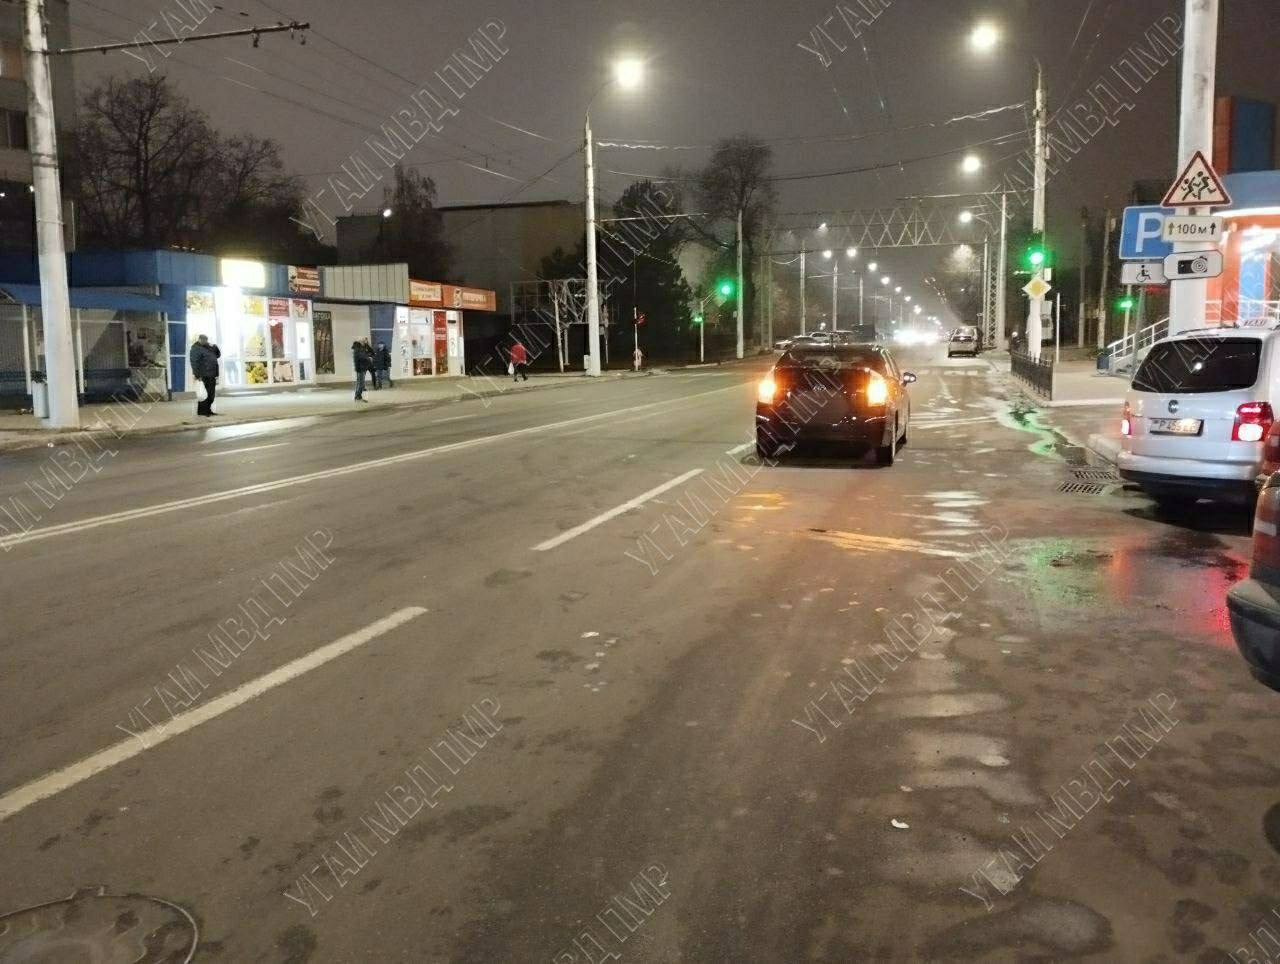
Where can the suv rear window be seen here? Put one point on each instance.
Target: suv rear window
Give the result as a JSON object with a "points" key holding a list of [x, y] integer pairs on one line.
{"points": [[1195, 365]]}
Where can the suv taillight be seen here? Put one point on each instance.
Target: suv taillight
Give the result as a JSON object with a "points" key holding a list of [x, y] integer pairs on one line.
{"points": [[1126, 421], [1253, 421]]}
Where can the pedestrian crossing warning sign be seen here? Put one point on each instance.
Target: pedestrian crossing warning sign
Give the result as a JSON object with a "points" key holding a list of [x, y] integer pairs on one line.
{"points": [[1197, 187]]}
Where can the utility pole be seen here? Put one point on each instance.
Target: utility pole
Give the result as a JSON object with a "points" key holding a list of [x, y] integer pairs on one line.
{"points": [[768, 338], [593, 271], [1084, 256], [742, 351], [803, 319], [860, 280], [1002, 279], [835, 294], [1107, 224], [1199, 64], [55, 300], [1035, 332]]}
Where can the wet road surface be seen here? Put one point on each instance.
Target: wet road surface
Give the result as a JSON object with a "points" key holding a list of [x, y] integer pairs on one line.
{"points": [[571, 675]]}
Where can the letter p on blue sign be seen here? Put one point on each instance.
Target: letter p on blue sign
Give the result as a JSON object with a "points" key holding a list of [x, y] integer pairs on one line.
{"points": [[1140, 235]]}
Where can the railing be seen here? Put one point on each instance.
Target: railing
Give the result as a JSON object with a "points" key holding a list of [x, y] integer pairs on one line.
{"points": [[1126, 352], [1036, 372]]}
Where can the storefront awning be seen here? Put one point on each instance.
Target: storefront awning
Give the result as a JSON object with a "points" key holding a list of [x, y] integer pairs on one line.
{"points": [[88, 298]]}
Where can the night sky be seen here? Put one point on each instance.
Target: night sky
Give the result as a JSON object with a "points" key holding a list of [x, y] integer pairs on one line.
{"points": [[716, 68]]}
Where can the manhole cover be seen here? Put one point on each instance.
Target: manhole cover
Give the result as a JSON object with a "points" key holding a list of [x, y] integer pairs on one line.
{"points": [[1082, 488], [94, 926], [1094, 475]]}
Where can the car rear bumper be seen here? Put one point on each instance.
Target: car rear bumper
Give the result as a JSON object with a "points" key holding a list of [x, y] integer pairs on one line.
{"points": [[853, 429], [1212, 479], [1255, 623]]}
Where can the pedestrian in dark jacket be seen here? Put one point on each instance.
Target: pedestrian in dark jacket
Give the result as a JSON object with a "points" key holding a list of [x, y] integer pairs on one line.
{"points": [[382, 364], [362, 361], [204, 365]]}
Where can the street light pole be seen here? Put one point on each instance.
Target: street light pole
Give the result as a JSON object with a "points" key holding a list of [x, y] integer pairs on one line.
{"points": [[835, 295], [860, 320], [1036, 309], [741, 353], [593, 276], [1199, 64], [803, 319], [1002, 276], [55, 300]]}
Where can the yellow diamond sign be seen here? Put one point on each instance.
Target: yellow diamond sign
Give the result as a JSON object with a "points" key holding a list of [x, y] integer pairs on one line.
{"points": [[1038, 288]]}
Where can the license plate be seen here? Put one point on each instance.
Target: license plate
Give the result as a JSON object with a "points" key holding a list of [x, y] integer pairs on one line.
{"points": [[1176, 426]]}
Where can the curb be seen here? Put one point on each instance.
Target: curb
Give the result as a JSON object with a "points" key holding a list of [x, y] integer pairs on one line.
{"points": [[54, 437], [1105, 447]]}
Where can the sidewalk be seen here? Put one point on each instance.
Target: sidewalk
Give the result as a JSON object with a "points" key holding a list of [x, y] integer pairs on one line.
{"points": [[1076, 382], [118, 419]]}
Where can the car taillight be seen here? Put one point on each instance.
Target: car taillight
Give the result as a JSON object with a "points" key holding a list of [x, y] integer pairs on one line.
{"points": [[766, 390], [1253, 421], [877, 389], [1126, 421]]}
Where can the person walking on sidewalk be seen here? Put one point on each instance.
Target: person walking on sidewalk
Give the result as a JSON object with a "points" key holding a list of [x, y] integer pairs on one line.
{"points": [[373, 364], [362, 361], [204, 364], [382, 364], [519, 362]]}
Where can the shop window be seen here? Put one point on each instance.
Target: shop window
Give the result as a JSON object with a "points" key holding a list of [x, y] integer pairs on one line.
{"points": [[324, 342], [11, 63]]}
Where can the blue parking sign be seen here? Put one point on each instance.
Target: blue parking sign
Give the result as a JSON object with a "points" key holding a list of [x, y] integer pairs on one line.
{"points": [[1140, 236]]}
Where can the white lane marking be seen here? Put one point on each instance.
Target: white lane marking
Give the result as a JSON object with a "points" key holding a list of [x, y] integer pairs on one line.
{"points": [[456, 418], [614, 513], [129, 515], [739, 449], [238, 433], [251, 448], [52, 783]]}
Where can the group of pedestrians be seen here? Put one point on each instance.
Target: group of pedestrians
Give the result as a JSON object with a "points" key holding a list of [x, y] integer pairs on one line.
{"points": [[367, 361]]}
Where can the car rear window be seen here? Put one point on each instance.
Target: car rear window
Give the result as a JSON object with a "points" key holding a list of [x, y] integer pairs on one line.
{"points": [[832, 358], [1193, 365]]}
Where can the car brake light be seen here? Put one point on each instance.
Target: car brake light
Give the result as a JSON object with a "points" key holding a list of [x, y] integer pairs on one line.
{"points": [[766, 390], [1253, 421], [877, 390], [1126, 421]]}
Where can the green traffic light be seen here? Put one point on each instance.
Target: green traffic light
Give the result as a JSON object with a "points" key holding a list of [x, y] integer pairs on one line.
{"points": [[697, 319], [1125, 304], [1036, 257], [726, 288]]}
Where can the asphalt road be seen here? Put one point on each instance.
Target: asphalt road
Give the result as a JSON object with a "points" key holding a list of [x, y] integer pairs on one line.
{"points": [[664, 702]]}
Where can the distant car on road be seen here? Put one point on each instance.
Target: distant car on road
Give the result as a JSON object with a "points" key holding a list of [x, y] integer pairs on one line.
{"points": [[963, 341], [1195, 418], [782, 344], [850, 394], [1254, 604]]}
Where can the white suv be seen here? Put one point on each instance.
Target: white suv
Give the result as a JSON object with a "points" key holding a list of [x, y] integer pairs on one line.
{"points": [[1195, 417]]}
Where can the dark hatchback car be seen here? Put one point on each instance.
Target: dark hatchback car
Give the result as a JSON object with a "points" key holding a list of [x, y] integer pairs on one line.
{"points": [[1255, 603], [847, 394]]}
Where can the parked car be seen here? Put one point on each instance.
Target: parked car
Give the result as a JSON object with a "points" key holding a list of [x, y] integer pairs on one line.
{"points": [[849, 394], [1254, 604], [782, 344], [963, 341], [1196, 415]]}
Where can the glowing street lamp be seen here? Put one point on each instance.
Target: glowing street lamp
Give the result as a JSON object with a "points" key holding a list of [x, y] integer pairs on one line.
{"points": [[886, 280], [971, 164], [828, 254], [984, 37], [966, 217], [851, 252], [629, 73]]}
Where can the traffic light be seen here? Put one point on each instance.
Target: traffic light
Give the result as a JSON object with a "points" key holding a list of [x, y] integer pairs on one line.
{"points": [[726, 288], [697, 319], [1037, 255], [1125, 304]]}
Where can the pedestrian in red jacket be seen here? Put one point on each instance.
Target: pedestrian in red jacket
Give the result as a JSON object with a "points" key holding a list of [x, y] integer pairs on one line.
{"points": [[519, 362]]}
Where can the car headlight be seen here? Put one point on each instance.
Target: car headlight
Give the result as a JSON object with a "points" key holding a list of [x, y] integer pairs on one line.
{"points": [[766, 391], [877, 390]]}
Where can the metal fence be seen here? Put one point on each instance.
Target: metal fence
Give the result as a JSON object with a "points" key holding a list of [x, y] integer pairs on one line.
{"points": [[1036, 372]]}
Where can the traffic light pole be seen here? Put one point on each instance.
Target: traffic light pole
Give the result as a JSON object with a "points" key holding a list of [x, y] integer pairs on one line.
{"points": [[593, 272], [1035, 313]]}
